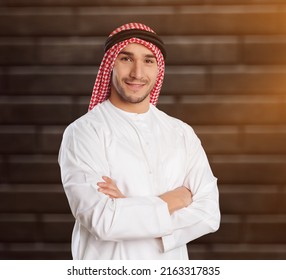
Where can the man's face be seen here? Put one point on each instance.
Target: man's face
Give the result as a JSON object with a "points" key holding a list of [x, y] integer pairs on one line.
{"points": [[134, 74]]}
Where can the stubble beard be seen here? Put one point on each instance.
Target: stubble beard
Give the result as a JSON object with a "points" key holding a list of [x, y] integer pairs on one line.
{"points": [[131, 99]]}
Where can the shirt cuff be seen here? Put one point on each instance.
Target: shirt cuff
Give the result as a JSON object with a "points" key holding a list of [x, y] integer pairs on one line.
{"points": [[164, 217], [169, 242]]}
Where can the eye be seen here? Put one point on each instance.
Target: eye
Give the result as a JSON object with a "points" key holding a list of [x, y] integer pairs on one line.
{"points": [[150, 61], [125, 58]]}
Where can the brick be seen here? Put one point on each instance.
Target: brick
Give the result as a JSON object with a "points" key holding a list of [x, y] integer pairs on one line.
{"points": [[247, 80], [264, 49], [50, 139], [281, 19], [2, 80], [82, 106], [193, 50], [250, 199], [238, 252], [87, 51], [266, 229], [225, 50], [282, 201], [224, 80], [96, 2], [222, 20], [264, 139], [246, 169], [247, 2], [17, 51], [228, 110], [88, 19], [130, 2], [225, 20], [2, 172], [36, 21], [219, 139], [201, 50], [26, 227], [18, 228], [184, 80], [230, 231], [33, 110], [35, 251], [57, 228], [50, 80], [10, 143], [33, 202], [33, 169], [190, 20]]}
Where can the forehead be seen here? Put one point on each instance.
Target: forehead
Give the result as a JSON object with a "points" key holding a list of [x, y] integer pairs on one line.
{"points": [[137, 49]]}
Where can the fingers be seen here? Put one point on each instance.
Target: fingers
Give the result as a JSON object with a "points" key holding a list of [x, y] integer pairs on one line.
{"points": [[110, 192], [109, 188], [107, 184], [107, 179]]}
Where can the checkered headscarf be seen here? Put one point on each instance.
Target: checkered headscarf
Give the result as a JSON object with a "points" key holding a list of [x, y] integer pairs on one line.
{"points": [[118, 40]]}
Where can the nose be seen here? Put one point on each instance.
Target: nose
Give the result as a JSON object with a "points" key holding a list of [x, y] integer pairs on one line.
{"points": [[137, 70]]}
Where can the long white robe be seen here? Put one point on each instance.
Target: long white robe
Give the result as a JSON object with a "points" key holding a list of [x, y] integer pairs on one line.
{"points": [[146, 155]]}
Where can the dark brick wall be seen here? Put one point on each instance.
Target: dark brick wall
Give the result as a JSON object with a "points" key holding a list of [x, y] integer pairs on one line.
{"points": [[225, 76]]}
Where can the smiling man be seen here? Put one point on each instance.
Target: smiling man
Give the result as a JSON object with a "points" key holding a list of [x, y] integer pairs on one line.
{"points": [[133, 77], [137, 180]]}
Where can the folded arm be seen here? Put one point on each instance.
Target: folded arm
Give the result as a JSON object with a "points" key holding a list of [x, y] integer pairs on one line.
{"points": [[202, 216], [176, 199], [83, 163]]}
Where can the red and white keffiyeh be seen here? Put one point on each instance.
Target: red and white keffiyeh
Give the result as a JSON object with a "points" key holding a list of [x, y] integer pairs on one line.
{"points": [[102, 86]]}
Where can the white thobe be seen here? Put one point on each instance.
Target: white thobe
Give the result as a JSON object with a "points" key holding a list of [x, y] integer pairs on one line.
{"points": [[146, 155]]}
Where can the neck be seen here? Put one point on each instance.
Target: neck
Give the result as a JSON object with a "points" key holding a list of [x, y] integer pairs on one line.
{"points": [[139, 108]]}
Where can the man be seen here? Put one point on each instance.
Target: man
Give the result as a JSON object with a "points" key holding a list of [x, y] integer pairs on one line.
{"points": [[137, 180]]}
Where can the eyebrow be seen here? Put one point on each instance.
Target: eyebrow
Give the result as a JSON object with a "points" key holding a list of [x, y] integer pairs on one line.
{"points": [[132, 54]]}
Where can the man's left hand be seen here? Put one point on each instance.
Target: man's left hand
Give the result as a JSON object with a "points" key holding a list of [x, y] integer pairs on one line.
{"points": [[109, 188]]}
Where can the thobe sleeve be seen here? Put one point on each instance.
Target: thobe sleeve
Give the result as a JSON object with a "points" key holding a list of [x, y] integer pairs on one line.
{"points": [[202, 216], [83, 162]]}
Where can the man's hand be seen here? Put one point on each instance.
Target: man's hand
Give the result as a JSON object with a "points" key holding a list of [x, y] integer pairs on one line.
{"points": [[109, 188], [177, 199]]}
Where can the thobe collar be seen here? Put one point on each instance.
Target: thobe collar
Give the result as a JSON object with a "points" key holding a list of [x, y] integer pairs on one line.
{"points": [[144, 117]]}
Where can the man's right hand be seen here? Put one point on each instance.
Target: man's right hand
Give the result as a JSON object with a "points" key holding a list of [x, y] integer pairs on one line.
{"points": [[177, 199]]}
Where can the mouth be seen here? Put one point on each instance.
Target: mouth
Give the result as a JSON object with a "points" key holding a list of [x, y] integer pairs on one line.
{"points": [[135, 86]]}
